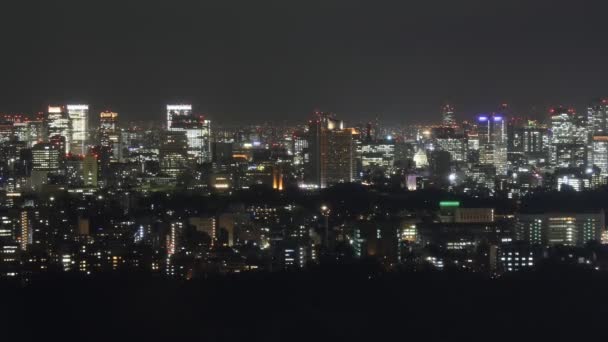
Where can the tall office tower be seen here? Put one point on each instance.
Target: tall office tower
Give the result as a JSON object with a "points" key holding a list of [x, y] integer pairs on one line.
{"points": [[173, 153], [597, 126], [569, 138], [90, 171], [341, 164], [533, 137], [456, 146], [493, 142], [447, 115], [45, 156], [59, 124], [327, 138], [514, 138], [176, 110], [598, 153], [198, 134], [300, 145], [6, 131], [36, 132], [45, 159], [108, 121], [12, 128], [447, 139], [79, 119], [317, 144], [109, 134], [597, 117], [59, 142]]}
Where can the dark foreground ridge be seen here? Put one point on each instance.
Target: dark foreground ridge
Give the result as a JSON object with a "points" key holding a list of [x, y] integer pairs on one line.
{"points": [[335, 304]]}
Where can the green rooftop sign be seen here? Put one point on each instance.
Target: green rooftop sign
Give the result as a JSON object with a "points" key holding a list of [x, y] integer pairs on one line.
{"points": [[449, 204]]}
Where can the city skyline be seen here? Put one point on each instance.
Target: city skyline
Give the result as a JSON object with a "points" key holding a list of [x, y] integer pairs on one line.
{"points": [[303, 170], [159, 115]]}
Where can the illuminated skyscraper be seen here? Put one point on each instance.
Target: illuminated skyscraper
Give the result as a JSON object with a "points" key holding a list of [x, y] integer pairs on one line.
{"points": [[45, 157], [79, 119], [599, 153], [341, 162], [446, 139], [569, 138], [109, 134], [173, 153], [493, 142], [597, 125], [36, 131], [177, 110], [447, 114], [45, 160], [59, 125], [198, 134], [533, 138], [597, 117], [331, 151], [108, 121]]}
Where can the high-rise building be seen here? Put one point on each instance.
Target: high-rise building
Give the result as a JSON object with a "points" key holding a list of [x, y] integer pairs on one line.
{"points": [[597, 126], [173, 152], [108, 121], [533, 137], [109, 134], [340, 163], [447, 139], [45, 159], [79, 119], [568, 139], [493, 142], [176, 110], [59, 141], [331, 150], [59, 124], [599, 153], [447, 115], [36, 131], [597, 117], [198, 134]]}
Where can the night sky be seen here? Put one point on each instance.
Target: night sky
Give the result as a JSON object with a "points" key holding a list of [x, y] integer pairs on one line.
{"points": [[270, 60]]}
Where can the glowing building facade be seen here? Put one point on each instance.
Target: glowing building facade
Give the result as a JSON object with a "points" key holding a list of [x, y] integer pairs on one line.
{"points": [[78, 115]]}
